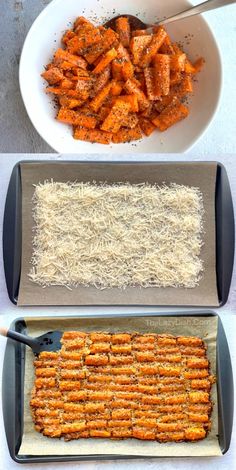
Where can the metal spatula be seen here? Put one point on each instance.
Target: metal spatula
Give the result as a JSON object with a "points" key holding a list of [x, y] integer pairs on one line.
{"points": [[135, 23], [50, 341]]}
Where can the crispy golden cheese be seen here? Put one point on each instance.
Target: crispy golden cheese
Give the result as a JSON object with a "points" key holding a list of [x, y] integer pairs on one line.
{"points": [[123, 385]]}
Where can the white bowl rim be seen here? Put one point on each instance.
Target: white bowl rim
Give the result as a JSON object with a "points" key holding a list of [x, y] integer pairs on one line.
{"points": [[187, 147]]}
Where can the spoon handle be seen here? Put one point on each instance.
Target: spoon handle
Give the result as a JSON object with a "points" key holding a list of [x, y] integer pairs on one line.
{"points": [[201, 8], [19, 337]]}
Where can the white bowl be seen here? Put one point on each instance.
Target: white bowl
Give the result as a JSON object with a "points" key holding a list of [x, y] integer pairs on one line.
{"points": [[44, 38]]}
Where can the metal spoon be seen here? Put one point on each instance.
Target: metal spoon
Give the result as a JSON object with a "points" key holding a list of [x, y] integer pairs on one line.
{"points": [[48, 342], [136, 23]]}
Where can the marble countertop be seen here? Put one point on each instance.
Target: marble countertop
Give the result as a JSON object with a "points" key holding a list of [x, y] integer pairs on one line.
{"points": [[9, 312], [16, 131]]}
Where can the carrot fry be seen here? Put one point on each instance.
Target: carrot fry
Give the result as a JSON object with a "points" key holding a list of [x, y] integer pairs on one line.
{"points": [[161, 64], [132, 88], [150, 84], [146, 126], [138, 45], [70, 103], [116, 87], [122, 53], [184, 87], [177, 62], [76, 118], [52, 75], [127, 135], [130, 121], [99, 99], [132, 100], [114, 119], [127, 70], [101, 81], [69, 34], [92, 135], [123, 30], [152, 48], [116, 67], [109, 39], [61, 55], [103, 63], [171, 115], [166, 47]]}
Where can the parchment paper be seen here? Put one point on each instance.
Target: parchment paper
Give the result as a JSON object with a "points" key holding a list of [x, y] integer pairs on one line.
{"points": [[199, 175], [34, 443]]}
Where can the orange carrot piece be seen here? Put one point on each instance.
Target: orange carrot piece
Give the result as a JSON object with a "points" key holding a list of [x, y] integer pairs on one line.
{"points": [[99, 99], [122, 53], [138, 45], [70, 103], [175, 78], [127, 70], [103, 63], [69, 34], [76, 118], [130, 121], [61, 55], [161, 64], [118, 112], [164, 102], [146, 126], [198, 64], [177, 62], [171, 115], [83, 88], [151, 50], [81, 20], [63, 91], [103, 113], [86, 35], [101, 81], [132, 100], [92, 135], [66, 83], [189, 67], [166, 47], [116, 67], [132, 88], [80, 42], [150, 84], [123, 30], [184, 87], [52, 75], [116, 87], [127, 135], [109, 39]]}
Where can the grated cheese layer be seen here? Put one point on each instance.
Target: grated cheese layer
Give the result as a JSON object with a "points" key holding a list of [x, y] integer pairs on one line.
{"points": [[117, 235]]}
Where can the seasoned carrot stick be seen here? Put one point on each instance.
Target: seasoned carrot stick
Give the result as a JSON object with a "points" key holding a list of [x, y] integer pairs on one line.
{"points": [[92, 135], [103, 63], [123, 30], [161, 64], [171, 115], [152, 48]]}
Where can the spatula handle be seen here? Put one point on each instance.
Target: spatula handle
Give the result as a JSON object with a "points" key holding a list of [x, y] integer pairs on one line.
{"points": [[19, 337], [200, 8]]}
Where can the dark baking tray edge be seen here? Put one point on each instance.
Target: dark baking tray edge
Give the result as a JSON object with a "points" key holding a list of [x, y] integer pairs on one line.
{"points": [[13, 373], [225, 231]]}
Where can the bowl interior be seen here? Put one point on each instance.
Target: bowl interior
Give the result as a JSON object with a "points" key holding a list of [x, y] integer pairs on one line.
{"points": [[44, 38]]}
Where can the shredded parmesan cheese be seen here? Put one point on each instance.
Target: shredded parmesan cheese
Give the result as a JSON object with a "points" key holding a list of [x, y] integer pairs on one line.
{"points": [[117, 235]]}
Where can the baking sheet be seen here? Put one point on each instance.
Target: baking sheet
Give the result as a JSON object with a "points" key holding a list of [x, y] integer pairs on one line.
{"points": [[34, 443], [200, 175]]}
